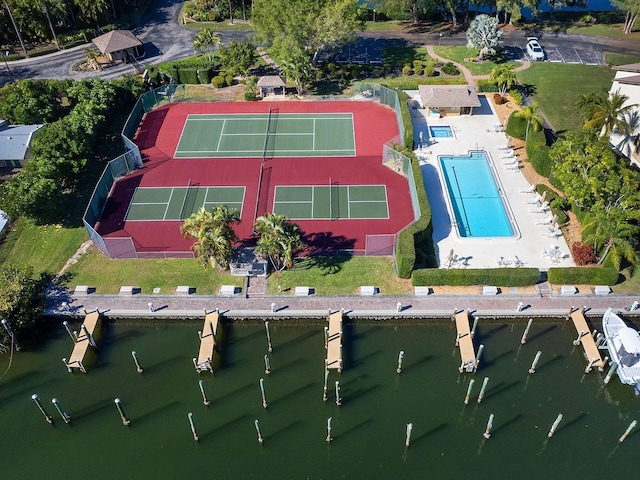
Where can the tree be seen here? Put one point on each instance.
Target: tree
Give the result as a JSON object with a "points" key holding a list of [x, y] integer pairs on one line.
{"points": [[612, 231], [298, 70], [279, 239], [609, 114], [484, 34], [32, 101], [213, 233], [631, 9], [504, 76], [236, 58], [532, 117], [585, 103], [395, 8], [206, 39], [21, 299]]}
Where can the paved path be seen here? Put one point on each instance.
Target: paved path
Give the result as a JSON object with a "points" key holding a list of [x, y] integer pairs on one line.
{"points": [[378, 306]]}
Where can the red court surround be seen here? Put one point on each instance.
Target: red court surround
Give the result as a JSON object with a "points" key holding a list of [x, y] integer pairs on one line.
{"points": [[158, 137]]}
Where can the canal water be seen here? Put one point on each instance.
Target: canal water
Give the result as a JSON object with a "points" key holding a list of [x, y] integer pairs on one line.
{"points": [[368, 429]]}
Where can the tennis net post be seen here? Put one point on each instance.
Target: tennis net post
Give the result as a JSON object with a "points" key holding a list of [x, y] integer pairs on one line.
{"points": [[184, 202]]}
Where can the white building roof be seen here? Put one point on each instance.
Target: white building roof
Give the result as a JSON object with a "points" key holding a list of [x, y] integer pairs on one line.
{"points": [[15, 140]]}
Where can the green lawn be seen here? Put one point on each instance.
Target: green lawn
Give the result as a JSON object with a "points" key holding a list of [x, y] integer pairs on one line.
{"points": [[459, 54], [46, 248], [341, 275], [108, 275], [219, 25], [398, 57], [619, 58], [555, 87], [411, 82]]}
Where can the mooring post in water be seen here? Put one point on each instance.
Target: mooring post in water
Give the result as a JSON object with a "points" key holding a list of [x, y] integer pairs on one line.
{"points": [[257, 425], [610, 373], [326, 337], [125, 421], [487, 431], [65, 417], [555, 425], [269, 346], [466, 398], [400, 357], [480, 350], [326, 379], [135, 359], [329, 430], [267, 365], [407, 439], [482, 389], [338, 400], [532, 370], [205, 400], [590, 365], [475, 324], [47, 417], [523, 340], [193, 426], [73, 337], [264, 397], [580, 335], [627, 431]]}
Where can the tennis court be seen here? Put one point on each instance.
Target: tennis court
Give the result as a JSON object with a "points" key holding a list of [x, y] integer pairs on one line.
{"points": [[331, 202], [267, 135], [178, 203]]}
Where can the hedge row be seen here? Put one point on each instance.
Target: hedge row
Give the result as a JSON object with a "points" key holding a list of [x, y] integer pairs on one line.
{"points": [[190, 75], [583, 276], [503, 277], [419, 233]]}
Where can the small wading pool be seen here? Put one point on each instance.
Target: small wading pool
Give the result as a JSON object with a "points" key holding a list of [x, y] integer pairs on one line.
{"points": [[474, 196], [441, 131]]}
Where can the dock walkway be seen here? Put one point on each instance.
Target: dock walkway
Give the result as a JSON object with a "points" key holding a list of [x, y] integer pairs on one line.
{"points": [[85, 338], [334, 341], [464, 341], [591, 352], [207, 342]]}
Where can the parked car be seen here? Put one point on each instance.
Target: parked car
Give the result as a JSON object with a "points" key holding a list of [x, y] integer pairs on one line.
{"points": [[534, 50]]}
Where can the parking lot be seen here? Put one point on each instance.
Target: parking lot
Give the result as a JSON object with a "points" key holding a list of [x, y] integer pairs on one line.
{"points": [[588, 56]]}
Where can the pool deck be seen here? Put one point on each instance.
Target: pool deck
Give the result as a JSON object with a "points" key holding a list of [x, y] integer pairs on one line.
{"points": [[531, 245]]}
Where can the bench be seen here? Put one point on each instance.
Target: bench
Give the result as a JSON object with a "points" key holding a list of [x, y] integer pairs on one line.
{"points": [[184, 290], [568, 290], [228, 290], [129, 290], [368, 290], [602, 290], [83, 290], [421, 291], [302, 291], [490, 290]]}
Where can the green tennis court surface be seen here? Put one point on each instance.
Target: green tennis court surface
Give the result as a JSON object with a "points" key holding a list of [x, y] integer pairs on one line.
{"points": [[275, 135], [331, 202], [178, 203]]}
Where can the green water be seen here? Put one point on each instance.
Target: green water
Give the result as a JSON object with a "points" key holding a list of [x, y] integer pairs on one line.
{"points": [[368, 429]]}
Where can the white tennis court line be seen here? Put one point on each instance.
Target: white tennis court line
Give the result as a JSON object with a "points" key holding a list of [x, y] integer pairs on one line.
{"points": [[224, 123], [168, 202], [348, 201], [313, 143]]}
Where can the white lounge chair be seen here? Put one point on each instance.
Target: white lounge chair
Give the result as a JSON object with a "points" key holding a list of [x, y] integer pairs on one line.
{"points": [[504, 147], [546, 221], [513, 166], [508, 155], [534, 201], [517, 262], [551, 233], [540, 209], [529, 189]]}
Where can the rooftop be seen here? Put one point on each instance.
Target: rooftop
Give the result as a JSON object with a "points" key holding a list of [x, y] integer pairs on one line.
{"points": [[15, 139]]}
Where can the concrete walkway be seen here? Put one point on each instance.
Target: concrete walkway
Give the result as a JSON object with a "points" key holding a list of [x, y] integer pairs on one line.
{"points": [[471, 79]]}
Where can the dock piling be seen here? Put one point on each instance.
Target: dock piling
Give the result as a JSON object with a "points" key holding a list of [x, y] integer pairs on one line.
{"points": [[612, 369], [408, 435], [482, 389], [326, 378], [555, 425], [328, 439], [257, 425], [267, 365], [125, 421], [627, 431], [487, 431], [135, 359], [475, 324], [523, 340], [65, 417], [264, 397], [193, 426], [47, 417], [532, 370], [400, 357], [74, 338], [205, 400], [466, 398], [338, 400], [266, 326]]}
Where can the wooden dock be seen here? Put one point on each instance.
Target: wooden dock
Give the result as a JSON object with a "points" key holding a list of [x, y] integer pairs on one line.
{"points": [[591, 352], [334, 341], [83, 340], [464, 341], [207, 342]]}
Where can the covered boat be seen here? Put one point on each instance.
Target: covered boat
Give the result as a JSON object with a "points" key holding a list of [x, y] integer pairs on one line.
{"points": [[623, 343]]}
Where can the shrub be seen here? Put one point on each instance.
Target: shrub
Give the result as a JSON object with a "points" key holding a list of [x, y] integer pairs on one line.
{"points": [[503, 277], [517, 96], [218, 81], [583, 275], [499, 99], [205, 75], [228, 79], [417, 64], [406, 70], [250, 95], [450, 69], [516, 127], [429, 69], [188, 76], [538, 152], [418, 70], [583, 254], [487, 86]]}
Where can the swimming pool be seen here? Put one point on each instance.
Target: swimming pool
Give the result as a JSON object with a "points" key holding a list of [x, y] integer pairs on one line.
{"points": [[474, 196], [441, 131]]}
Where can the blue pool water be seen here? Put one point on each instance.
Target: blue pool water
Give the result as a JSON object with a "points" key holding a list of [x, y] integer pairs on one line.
{"points": [[474, 196], [441, 131]]}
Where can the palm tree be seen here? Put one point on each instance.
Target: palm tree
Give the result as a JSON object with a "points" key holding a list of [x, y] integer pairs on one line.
{"points": [[613, 232], [504, 76], [609, 112], [205, 39], [213, 233], [532, 117], [279, 239]]}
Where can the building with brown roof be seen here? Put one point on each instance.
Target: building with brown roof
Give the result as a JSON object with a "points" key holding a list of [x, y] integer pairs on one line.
{"points": [[119, 45], [448, 99], [271, 85]]}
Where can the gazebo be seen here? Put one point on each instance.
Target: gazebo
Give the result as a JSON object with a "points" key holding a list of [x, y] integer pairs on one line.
{"points": [[119, 45], [271, 85], [448, 99]]}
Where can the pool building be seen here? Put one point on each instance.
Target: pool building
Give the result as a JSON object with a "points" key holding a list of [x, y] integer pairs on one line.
{"points": [[445, 100]]}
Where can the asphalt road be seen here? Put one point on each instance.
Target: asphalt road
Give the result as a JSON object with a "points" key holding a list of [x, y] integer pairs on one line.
{"points": [[165, 39]]}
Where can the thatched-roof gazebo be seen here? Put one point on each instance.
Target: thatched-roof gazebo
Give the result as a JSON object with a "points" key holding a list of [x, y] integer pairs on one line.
{"points": [[449, 99], [271, 85], [119, 45]]}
